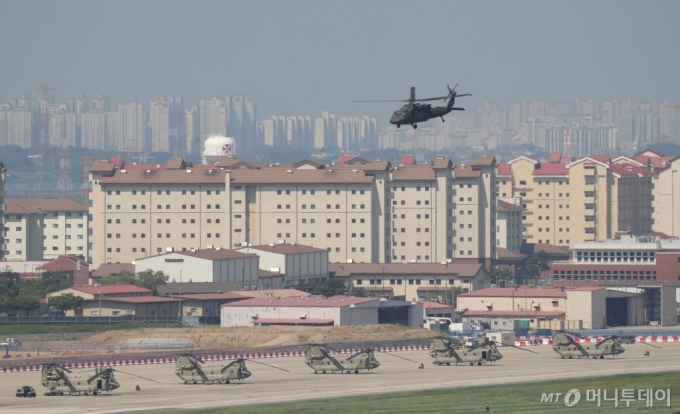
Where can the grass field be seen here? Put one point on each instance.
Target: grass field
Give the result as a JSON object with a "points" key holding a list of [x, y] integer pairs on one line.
{"points": [[16, 330], [506, 399]]}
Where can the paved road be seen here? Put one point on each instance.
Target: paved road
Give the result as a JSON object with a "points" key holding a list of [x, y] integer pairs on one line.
{"points": [[270, 385]]}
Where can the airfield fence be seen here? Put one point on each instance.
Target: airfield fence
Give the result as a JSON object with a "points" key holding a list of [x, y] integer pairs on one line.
{"points": [[168, 353], [87, 320]]}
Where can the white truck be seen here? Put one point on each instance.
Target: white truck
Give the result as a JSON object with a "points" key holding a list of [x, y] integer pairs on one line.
{"points": [[445, 324]]}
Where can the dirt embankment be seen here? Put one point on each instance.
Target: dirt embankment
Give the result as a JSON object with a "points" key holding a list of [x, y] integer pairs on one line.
{"points": [[263, 336]]}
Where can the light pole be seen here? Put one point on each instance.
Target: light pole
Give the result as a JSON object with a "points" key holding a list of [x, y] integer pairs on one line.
{"points": [[383, 280], [100, 304], [179, 310]]}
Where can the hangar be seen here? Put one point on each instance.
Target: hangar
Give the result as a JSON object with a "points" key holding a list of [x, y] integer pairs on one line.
{"points": [[320, 311], [589, 307]]}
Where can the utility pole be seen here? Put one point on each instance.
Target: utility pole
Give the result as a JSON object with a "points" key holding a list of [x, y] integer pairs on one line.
{"points": [[179, 311]]}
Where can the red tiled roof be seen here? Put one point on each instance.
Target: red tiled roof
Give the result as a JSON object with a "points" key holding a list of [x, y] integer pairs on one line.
{"points": [[520, 293], [111, 289], [434, 305], [283, 248], [636, 169], [501, 313], [508, 254], [131, 167], [550, 169], [408, 160], [298, 321], [212, 296], [310, 301], [620, 170], [601, 158], [141, 299], [662, 235], [118, 161], [555, 157], [504, 169]]}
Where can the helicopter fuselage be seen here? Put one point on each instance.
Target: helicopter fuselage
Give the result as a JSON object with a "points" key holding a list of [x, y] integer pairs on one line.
{"points": [[58, 383], [194, 373], [445, 353], [320, 361], [565, 345]]}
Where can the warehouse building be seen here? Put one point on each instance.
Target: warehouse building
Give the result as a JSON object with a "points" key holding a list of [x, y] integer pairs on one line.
{"points": [[206, 265], [319, 311], [586, 307]]}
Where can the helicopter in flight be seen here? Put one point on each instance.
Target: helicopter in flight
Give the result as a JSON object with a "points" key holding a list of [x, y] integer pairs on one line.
{"points": [[189, 369], [55, 379], [446, 352], [565, 345], [413, 112]]}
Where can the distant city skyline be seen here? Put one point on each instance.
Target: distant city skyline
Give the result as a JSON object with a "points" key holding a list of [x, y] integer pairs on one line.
{"points": [[304, 57]]}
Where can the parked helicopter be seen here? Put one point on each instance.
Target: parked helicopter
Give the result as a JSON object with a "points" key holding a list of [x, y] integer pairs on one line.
{"points": [[413, 113], [564, 344], [446, 352], [54, 378], [318, 358], [189, 369]]}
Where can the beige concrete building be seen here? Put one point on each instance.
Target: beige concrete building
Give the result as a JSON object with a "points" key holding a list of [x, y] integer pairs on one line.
{"points": [[665, 190], [138, 306], [3, 170], [297, 264], [37, 229], [411, 280], [509, 225], [205, 265], [359, 211], [92, 294], [586, 199], [590, 307]]}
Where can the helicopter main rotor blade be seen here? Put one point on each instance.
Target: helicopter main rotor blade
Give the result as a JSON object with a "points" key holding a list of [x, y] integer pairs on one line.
{"points": [[138, 376], [402, 100], [521, 349], [98, 374], [262, 363], [226, 367], [395, 355], [654, 346], [458, 95]]}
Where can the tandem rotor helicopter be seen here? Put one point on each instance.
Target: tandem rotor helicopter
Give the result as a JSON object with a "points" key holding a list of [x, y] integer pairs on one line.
{"points": [[565, 345], [318, 358], [189, 369], [447, 352], [55, 379], [413, 112]]}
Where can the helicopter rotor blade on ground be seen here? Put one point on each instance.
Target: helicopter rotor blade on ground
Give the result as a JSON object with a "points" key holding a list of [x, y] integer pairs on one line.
{"points": [[138, 376], [645, 343], [395, 355], [262, 363], [521, 349]]}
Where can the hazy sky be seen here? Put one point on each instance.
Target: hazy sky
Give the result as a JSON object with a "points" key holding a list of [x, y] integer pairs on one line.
{"points": [[302, 57]]}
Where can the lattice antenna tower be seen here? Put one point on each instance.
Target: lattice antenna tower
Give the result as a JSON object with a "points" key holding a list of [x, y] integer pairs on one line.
{"points": [[567, 142], [65, 182], [87, 186], [45, 125]]}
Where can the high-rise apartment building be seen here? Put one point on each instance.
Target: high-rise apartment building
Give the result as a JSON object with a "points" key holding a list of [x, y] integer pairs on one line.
{"points": [[213, 118], [164, 123], [133, 128], [19, 128], [37, 229], [112, 130], [578, 199], [192, 130], [93, 130], [357, 210]]}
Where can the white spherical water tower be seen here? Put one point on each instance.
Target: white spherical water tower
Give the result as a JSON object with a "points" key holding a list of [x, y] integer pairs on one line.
{"points": [[216, 147]]}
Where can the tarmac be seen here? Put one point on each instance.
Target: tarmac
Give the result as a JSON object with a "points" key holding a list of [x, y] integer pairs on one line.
{"points": [[267, 385]]}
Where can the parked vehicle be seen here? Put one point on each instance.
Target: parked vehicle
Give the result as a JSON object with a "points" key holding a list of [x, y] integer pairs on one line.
{"points": [[26, 391]]}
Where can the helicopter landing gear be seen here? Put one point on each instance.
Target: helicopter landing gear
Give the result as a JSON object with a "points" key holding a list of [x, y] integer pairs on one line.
{"points": [[398, 125], [570, 357], [356, 371], [479, 363], [601, 356], [316, 372], [226, 382], [442, 119], [448, 364], [562, 356], [472, 363], [324, 371], [415, 126]]}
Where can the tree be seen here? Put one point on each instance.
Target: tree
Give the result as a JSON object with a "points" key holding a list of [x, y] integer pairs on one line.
{"points": [[151, 280], [360, 292], [25, 302], [499, 273], [332, 287], [533, 266], [543, 260], [123, 278], [453, 296], [65, 302]]}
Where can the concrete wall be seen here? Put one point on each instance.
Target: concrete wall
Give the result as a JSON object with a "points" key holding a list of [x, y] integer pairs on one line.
{"points": [[519, 302], [113, 308], [668, 307], [242, 315]]}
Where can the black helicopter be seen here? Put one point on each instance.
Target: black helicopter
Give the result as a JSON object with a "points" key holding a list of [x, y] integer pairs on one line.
{"points": [[413, 113]]}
